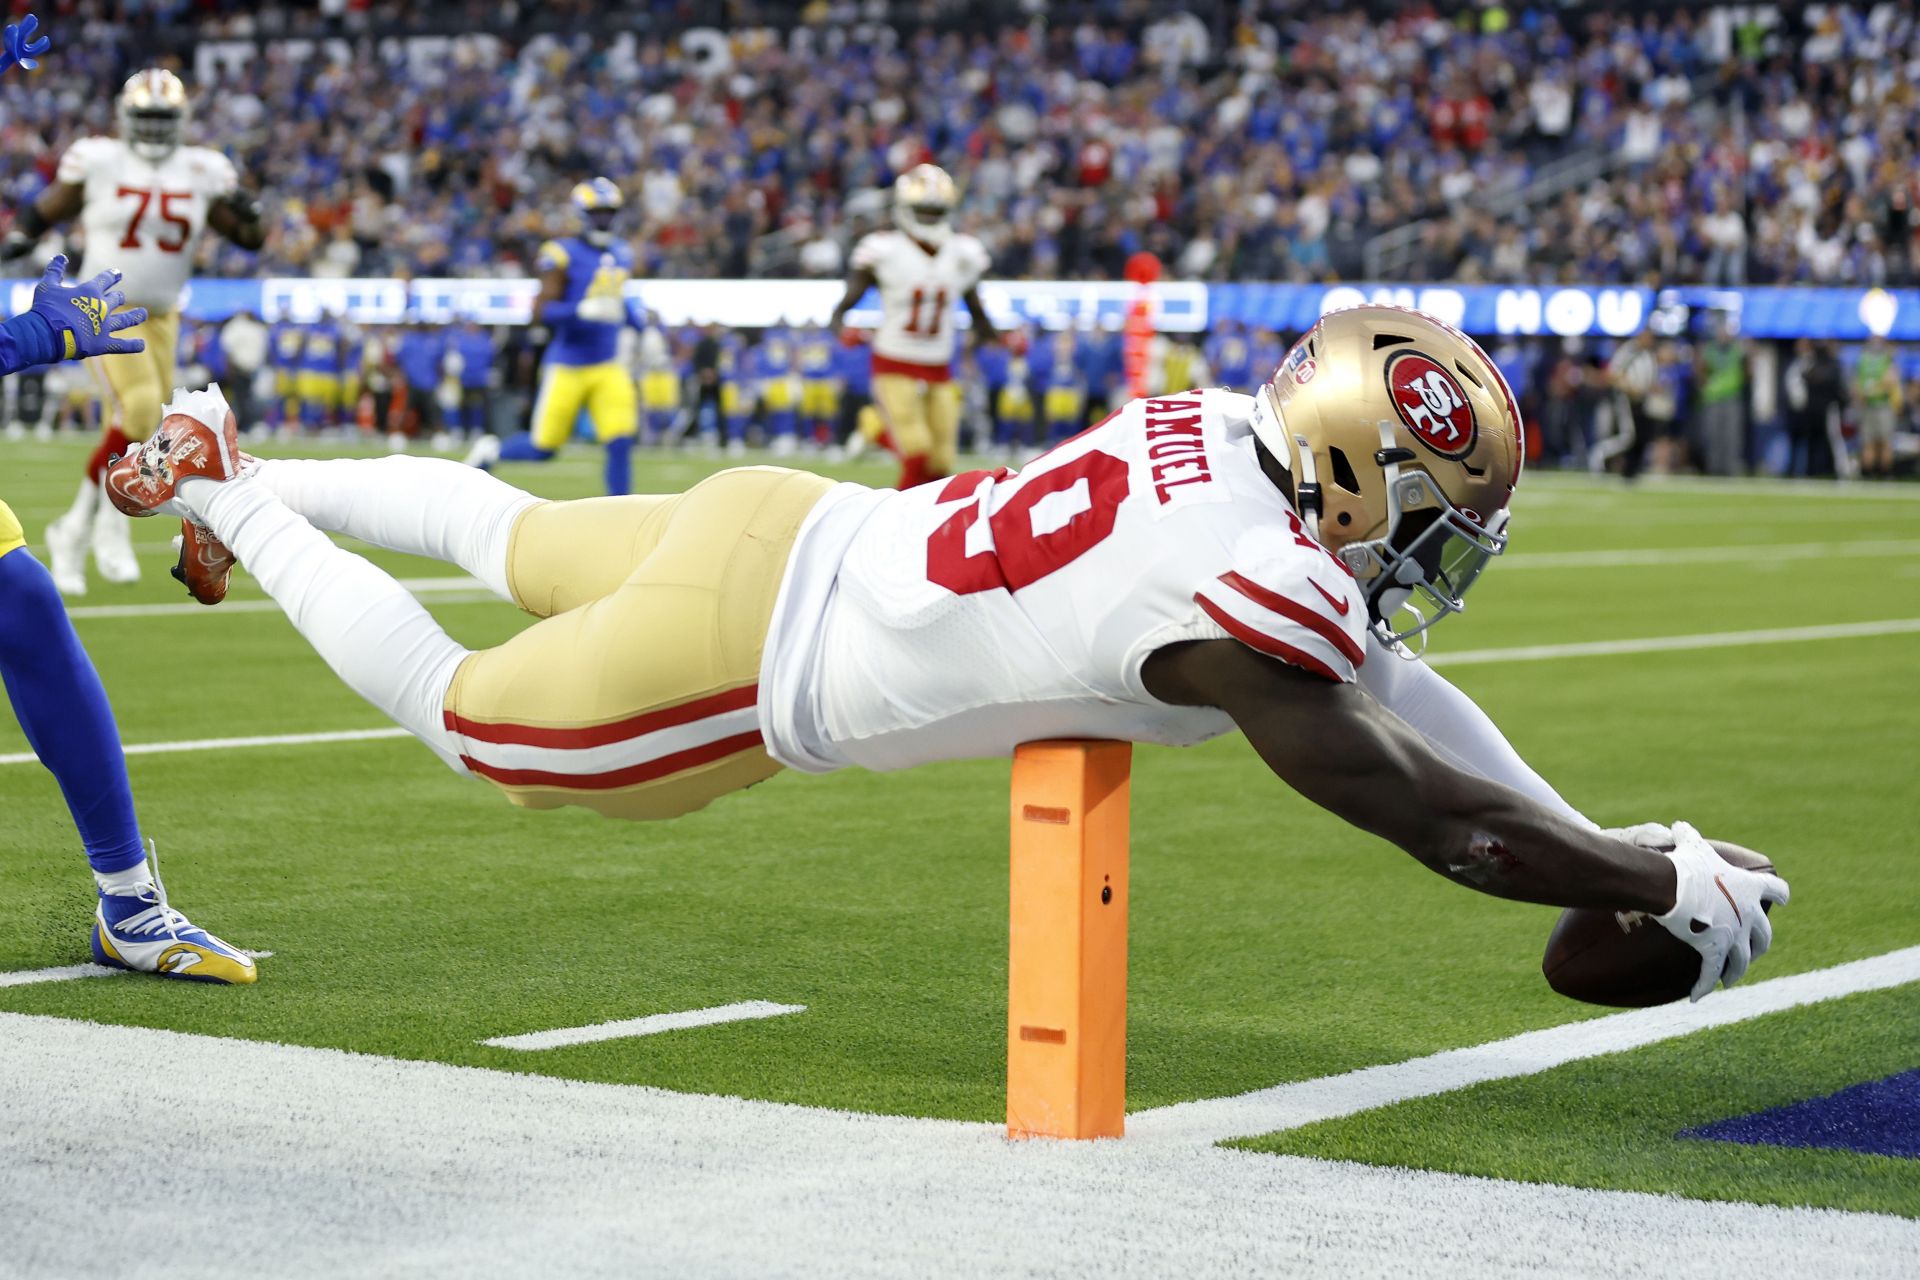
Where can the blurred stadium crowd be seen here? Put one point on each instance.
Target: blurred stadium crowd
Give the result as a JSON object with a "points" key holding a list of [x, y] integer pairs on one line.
{"points": [[1268, 140], [1264, 140]]}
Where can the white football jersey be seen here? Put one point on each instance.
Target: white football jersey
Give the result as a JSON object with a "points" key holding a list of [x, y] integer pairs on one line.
{"points": [[918, 292], [962, 618], [144, 217]]}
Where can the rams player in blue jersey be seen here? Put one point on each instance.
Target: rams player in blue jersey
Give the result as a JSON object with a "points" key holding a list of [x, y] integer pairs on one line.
{"points": [[583, 283], [56, 694]]}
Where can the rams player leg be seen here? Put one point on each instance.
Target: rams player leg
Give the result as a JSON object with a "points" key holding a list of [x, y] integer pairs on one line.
{"points": [[583, 284], [922, 268], [659, 383], [57, 695], [819, 388], [1197, 563], [143, 200]]}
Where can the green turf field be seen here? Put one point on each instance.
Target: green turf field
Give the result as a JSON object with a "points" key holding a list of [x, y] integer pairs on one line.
{"points": [[412, 913]]}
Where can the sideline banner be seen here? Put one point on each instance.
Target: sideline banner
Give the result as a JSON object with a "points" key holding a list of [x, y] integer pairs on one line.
{"points": [[1594, 311]]}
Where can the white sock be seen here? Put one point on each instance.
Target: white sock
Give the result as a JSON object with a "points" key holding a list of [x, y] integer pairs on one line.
{"points": [[432, 507], [374, 635], [81, 512], [127, 883]]}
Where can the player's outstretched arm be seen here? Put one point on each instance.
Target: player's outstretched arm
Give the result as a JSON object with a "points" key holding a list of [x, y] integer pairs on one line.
{"points": [[60, 202], [69, 321], [1338, 747], [239, 217], [17, 44], [857, 285], [983, 330]]}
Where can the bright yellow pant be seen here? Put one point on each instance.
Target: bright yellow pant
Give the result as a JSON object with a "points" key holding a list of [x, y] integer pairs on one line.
{"points": [[317, 387], [820, 398], [605, 391], [923, 418], [133, 387], [634, 697], [660, 390], [1065, 404], [11, 536]]}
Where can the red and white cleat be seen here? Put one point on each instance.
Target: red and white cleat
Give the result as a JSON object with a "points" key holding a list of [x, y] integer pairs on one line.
{"points": [[205, 563], [197, 437]]}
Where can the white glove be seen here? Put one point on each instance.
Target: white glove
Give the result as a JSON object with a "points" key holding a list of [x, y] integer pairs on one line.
{"points": [[1648, 835], [1717, 909]]}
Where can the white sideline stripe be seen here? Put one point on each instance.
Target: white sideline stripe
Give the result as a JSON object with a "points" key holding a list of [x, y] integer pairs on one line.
{"points": [[61, 973], [1664, 644], [228, 744], [651, 1025], [1655, 556], [1288, 1106], [462, 1171]]}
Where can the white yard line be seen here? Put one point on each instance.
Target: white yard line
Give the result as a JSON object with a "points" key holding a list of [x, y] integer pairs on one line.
{"points": [[1464, 658], [1288, 1106], [1653, 557], [331, 1163], [232, 744], [1665, 644], [651, 1025], [461, 590], [62, 973], [70, 972], [1713, 487]]}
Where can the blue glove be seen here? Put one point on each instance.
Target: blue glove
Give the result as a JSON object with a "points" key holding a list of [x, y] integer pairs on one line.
{"points": [[82, 315], [18, 45]]}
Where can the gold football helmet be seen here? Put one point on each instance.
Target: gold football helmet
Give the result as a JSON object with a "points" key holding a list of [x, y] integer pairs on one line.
{"points": [[1403, 444], [153, 113], [923, 201]]}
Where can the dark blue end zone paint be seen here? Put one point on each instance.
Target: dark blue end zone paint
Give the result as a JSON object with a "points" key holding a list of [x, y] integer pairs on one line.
{"points": [[1879, 1118]]}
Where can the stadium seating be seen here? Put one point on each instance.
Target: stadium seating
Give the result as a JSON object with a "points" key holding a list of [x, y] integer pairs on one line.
{"points": [[1687, 145]]}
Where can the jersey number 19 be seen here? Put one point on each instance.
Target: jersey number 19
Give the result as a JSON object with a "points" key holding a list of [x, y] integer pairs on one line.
{"points": [[1091, 488]]}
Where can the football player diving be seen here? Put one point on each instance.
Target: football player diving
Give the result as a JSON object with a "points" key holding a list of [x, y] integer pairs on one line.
{"points": [[52, 686], [144, 199], [1198, 563], [583, 284]]}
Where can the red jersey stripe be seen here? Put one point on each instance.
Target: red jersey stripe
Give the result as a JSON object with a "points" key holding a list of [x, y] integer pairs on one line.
{"points": [[632, 775], [1267, 644], [601, 735], [911, 369], [1327, 629]]}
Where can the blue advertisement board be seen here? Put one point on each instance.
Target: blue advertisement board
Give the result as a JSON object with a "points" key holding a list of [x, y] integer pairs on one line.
{"points": [[1596, 311]]}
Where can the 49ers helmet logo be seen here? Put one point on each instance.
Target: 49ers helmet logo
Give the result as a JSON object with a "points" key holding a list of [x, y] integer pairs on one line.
{"points": [[1432, 403]]}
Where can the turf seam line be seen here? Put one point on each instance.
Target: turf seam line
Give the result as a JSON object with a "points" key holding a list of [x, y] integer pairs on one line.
{"points": [[650, 1025], [1289, 1106]]}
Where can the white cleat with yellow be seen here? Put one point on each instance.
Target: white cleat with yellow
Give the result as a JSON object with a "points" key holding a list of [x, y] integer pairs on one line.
{"points": [[140, 931]]}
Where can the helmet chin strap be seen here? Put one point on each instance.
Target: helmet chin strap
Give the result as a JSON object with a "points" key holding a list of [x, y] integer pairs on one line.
{"points": [[1306, 486]]}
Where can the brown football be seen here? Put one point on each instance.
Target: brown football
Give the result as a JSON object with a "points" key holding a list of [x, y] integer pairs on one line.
{"points": [[1625, 959]]}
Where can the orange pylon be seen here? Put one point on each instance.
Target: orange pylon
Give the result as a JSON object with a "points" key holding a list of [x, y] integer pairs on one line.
{"points": [[1067, 950]]}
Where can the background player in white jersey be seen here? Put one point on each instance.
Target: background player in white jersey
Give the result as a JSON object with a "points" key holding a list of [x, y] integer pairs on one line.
{"points": [[143, 200], [1197, 563], [921, 269]]}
